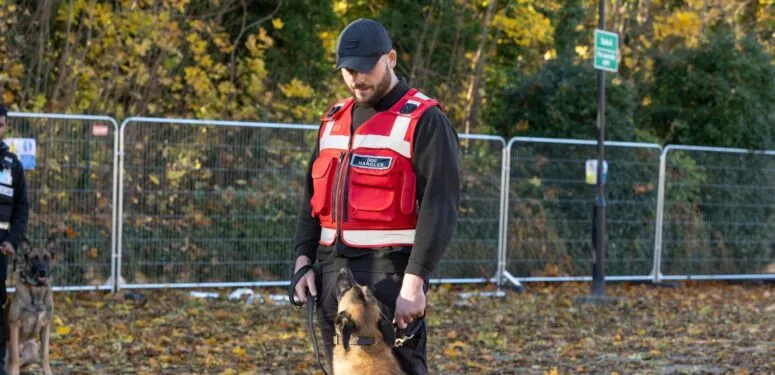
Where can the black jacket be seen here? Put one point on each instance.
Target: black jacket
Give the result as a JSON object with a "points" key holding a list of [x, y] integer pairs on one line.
{"points": [[20, 205], [437, 166]]}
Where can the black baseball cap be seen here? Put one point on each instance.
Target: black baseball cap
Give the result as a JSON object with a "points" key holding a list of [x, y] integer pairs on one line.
{"points": [[361, 44]]}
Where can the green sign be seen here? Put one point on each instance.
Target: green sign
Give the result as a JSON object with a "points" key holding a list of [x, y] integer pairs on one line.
{"points": [[606, 50]]}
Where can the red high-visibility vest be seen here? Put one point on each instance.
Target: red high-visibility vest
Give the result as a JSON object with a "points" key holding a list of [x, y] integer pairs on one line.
{"points": [[364, 183]]}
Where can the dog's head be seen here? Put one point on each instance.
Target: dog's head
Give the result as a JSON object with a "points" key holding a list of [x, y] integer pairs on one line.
{"points": [[38, 261], [359, 312]]}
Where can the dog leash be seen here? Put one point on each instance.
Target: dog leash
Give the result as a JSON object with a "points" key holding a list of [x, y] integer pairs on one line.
{"points": [[408, 333], [310, 309]]}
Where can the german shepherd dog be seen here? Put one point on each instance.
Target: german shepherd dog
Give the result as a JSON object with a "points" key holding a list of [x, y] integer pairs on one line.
{"points": [[364, 336], [28, 319]]}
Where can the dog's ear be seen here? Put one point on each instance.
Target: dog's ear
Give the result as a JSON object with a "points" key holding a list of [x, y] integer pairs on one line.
{"points": [[24, 245], [344, 282], [52, 244]]}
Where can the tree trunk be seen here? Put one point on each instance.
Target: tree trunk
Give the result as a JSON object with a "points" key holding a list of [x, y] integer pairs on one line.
{"points": [[417, 60], [473, 98]]}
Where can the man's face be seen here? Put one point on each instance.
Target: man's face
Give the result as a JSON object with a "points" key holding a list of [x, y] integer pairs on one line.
{"points": [[368, 88], [3, 126]]}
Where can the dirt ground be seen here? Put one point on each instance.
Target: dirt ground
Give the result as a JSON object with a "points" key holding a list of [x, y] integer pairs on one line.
{"points": [[691, 328]]}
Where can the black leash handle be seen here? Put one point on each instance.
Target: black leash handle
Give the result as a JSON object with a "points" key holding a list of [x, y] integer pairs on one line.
{"points": [[310, 309]]}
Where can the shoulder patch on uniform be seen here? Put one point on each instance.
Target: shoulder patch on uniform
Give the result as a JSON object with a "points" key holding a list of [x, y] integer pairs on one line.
{"points": [[334, 110], [371, 162], [409, 107]]}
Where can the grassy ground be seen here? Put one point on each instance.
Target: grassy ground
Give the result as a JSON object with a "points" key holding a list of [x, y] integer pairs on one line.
{"points": [[693, 328]]}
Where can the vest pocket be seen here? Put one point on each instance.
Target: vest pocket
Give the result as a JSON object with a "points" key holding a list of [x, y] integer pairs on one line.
{"points": [[373, 194], [322, 183]]}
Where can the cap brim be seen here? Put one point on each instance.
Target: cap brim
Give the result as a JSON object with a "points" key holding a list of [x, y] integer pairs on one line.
{"points": [[362, 64]]}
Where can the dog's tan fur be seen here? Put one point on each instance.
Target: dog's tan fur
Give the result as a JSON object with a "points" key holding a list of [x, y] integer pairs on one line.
{"points": [[362, 309], [28, 318]]}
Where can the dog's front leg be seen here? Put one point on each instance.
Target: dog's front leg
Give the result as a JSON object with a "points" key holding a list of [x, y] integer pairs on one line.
{"points": [[45, 334], [12, 368]]}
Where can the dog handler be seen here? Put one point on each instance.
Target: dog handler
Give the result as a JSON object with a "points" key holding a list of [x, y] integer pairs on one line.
{"points": [[382, 191], [14, 210]]}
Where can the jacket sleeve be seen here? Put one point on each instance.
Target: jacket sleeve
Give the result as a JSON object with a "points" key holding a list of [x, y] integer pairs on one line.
{"points": [[21, 207], [437, 165], [307, 227]]}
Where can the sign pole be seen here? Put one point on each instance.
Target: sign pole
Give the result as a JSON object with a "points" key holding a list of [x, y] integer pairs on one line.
{"points": [[598, 275], [606, 60]]}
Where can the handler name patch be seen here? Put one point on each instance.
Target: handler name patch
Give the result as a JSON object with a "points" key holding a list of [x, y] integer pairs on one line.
{"points": [[371, 162]]}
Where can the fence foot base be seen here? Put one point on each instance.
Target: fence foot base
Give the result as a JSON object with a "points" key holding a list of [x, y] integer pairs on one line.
{"points": [[514, 282]]}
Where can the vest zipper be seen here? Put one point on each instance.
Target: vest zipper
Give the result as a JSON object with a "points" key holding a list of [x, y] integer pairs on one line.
{"points": [[345, 177], [346, 181], [335, 190]]}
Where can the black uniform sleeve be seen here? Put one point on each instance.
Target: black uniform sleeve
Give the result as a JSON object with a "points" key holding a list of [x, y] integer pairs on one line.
{"points": [[437, 165], [21, 206], [307, 227]]}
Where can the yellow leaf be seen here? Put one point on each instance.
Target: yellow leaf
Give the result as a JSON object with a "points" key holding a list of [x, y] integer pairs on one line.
{"points": [[63, 330], [229, 371], [154, 179], [553, 371], [451, 335], [212, 341], [7, 97], [277, 23], [17, 71], [240, 352], [93, 253]]}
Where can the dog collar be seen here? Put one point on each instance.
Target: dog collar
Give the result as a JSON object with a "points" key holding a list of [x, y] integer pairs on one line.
{"points": [[356, 340]]}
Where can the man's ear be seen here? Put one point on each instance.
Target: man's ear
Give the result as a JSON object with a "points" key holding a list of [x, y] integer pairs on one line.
{"points": [[392, 59]]}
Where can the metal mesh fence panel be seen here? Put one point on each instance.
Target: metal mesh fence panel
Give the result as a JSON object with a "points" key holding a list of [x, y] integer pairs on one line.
{"points": [[210, 202], [473, 252], [719, 212], [71, 192], [550, 208]]}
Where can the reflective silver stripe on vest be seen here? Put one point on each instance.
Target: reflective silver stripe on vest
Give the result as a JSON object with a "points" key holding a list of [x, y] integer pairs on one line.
{"points": [[382, 237], [327, 235], [395, 141], [339, 142]]}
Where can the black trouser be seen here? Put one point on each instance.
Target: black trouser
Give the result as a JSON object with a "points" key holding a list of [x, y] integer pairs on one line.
{"points": [[386, 286], [3, 297]]}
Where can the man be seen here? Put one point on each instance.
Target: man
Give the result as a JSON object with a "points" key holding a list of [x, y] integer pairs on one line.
{"points": [[13, 216], [382, 191]]}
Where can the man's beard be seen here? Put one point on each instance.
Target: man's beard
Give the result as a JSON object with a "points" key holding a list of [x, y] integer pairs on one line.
{"points": [[378, 92]]}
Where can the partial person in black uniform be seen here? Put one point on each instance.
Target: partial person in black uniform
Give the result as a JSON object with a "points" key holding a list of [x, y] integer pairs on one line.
{"points": [[14, 211], [382, 191]]}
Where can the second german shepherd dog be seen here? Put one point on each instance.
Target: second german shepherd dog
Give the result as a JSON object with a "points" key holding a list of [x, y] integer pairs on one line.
{"points": [[360, 344], [28, 318]]}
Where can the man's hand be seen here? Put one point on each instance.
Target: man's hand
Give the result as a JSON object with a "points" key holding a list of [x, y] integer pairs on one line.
{"points": [[7, 249], [307, 281], [410, 304]]}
